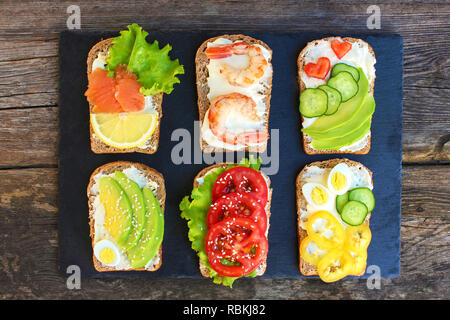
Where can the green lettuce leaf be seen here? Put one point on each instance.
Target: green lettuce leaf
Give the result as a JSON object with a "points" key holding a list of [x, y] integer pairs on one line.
{"points": [[195, 209], [153, 67]]}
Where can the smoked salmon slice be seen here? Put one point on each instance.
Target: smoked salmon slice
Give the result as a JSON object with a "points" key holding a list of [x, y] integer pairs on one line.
{"points": [[114, 95]]}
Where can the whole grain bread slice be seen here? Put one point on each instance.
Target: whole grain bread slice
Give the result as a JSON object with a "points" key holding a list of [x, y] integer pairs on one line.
{"points": [[160, 193], [97, 145], [307, 147], [307, 268], [261, 269], [203, 103]]}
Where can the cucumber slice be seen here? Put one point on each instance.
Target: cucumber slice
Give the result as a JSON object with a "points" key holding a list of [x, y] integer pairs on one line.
{"points": [[345, 84], [334, 99], [313, 103], [364, 195], [354, 213], [341, 200], [345, 67]]}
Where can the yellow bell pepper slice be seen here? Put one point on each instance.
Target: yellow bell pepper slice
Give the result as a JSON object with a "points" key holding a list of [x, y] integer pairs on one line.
{"points": [[325, 229], [357, 238], [310, 251], [335, 265], [359, 262]]}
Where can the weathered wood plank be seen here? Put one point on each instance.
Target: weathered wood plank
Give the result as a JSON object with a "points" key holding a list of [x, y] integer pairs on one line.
{"points": [[28, 252], [29, 137]]}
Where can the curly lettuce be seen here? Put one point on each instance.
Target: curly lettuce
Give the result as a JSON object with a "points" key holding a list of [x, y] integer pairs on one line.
{"points": [[195, 209], [153, 67]]}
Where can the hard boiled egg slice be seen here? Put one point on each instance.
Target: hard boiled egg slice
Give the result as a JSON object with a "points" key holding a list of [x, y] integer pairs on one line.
{"points": [[107, 253], [340, 179], [316, 194]]}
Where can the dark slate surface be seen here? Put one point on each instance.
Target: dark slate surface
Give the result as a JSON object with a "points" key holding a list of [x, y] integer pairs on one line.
{"points": [[76, 161]]}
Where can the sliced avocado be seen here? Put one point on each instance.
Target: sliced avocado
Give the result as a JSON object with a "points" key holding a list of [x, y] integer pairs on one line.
{"points": [[364, 113], [136, 197], [345, 112], [152, 234], [118, 210], [337, 143]]}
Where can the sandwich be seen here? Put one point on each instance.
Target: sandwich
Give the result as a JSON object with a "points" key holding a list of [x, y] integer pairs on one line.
{"points": [[336, 78], [228, 218], [127, 77], [334, 205], [126, 217], [234, 83]]}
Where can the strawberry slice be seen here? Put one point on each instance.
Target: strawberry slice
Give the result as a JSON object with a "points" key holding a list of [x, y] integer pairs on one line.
{"points": [[318, 70], [340, 48]]}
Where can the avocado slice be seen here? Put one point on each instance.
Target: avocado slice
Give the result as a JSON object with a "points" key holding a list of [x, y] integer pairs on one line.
{"points": [[337, 143], [136, 197], [364, 113], [152, 234], [118, 210], [347, 110]]}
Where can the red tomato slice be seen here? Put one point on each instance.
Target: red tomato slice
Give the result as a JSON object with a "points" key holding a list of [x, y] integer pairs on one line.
{"points": [[318, 70], [243, 180], [237, 205], [340, 48], [235, 247]]}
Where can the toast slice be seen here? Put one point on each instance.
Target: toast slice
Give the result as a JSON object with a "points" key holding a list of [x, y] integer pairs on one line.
{"points": [[307, 268], [363, 145], [203, 103], [97, 145], [154, 180], [262, 267]]}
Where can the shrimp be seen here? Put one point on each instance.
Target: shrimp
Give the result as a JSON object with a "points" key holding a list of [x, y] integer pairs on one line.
{"points": [[240, 77], [235, 107]]}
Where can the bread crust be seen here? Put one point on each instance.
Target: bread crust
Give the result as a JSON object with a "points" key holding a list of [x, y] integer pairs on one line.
{"points": [[300, 65], [160, 194], [261, 269], [203, 103], [307, 268], [98, 146]]}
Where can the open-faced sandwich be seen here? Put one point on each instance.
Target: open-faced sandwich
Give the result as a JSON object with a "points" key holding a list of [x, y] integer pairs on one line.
{"points": [[336, 77], [127, 77], [234, 83], [126, 217], [334, 204], [228, 216]]}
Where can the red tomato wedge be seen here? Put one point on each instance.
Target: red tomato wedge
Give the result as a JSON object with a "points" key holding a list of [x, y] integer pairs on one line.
{"points": [[101, 92], [318, 70], [114, 95], [243, 180], [237, 205], [340, 48], [235, 247]]}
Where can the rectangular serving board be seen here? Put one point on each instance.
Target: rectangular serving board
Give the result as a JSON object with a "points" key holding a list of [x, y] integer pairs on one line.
{"points": [[77, 161]]}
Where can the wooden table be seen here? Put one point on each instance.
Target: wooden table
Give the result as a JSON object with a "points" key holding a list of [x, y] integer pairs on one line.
{"points": [[29, 124]]}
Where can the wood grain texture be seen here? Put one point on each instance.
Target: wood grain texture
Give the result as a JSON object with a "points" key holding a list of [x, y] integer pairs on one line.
{"points": [[28, 134], [29, 266]]}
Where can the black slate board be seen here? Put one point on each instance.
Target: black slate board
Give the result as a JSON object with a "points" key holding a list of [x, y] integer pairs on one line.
{"points": [[76, 161]]}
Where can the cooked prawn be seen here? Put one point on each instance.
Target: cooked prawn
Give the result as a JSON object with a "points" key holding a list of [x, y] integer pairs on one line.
{"points": [[235, 107], [240, 77]]}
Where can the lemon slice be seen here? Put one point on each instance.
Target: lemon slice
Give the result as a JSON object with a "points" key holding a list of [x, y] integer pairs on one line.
{"points": [[124, 130]]}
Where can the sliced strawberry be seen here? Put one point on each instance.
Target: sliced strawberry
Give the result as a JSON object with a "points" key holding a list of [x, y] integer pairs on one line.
{"points": [[318, 70], [340, 48]]}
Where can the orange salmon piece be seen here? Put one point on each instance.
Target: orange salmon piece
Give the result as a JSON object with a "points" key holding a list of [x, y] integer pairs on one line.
{"points": [[101, 92], [127, 90]]}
